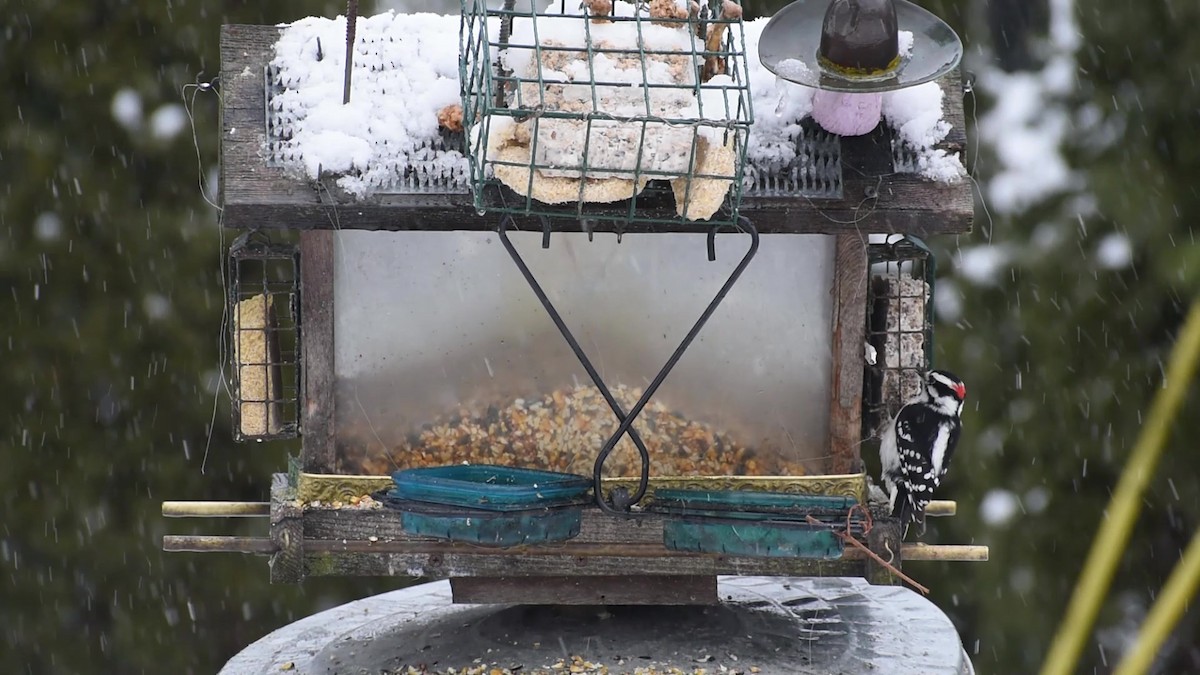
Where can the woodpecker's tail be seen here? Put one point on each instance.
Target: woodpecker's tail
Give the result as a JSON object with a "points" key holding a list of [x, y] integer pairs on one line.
{"points": [[908, 509]]}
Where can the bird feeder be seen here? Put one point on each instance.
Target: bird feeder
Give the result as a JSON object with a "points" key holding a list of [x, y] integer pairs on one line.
{"points": [[584, 334], [899, 326], [264, 317]]}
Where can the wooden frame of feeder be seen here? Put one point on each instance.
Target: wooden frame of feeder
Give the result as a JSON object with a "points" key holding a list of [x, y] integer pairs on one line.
{"points": [[596, 565]]}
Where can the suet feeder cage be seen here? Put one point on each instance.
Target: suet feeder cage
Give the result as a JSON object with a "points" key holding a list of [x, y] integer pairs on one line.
{"points": [[264, 301], [694, 382], [606, 111], [899, 326]]}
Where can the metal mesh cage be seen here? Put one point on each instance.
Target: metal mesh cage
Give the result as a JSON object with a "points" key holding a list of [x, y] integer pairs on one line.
{"points": [[606, 110], [264, 307], [814, 172], [899, 326]]}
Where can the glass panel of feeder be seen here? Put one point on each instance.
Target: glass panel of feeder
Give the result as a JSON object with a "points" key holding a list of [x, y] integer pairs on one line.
{"points": [[444, 355]]}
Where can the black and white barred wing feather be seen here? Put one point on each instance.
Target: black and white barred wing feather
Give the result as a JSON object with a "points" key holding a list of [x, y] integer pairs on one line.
{"points": [[924, 444]]}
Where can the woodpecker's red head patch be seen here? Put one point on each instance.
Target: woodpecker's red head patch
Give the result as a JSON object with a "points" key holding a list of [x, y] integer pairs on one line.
{"points": [[948, 382]]}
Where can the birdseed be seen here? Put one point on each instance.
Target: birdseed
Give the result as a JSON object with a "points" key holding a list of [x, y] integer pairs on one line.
{"points": [[564, 431], [575, 664]]}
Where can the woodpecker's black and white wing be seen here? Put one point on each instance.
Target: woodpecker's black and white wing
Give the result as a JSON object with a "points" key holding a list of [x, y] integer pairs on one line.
{"points": [[924, 446]]}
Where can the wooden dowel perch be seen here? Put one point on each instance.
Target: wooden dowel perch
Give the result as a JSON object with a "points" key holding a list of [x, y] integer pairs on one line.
{"points": [[216, 509], [174, 543], [941, 508], [262, 545], [917, 552], [946, 553]]}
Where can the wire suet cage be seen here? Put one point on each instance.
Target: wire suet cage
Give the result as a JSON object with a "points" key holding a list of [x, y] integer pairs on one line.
{"points": [[264, 302], [606, 110], [899, 326]]}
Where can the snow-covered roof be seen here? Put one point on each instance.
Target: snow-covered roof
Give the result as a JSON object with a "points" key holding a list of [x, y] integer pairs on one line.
{"points": [[406, 69]]}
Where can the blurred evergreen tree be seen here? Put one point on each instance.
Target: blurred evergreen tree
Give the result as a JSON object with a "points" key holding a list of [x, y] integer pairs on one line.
{"points": [[110, 342], [1063, 348], [112, 261]]}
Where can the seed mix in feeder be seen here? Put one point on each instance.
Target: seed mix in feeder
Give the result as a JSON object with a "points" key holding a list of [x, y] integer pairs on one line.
{"points": [[564, 431]]}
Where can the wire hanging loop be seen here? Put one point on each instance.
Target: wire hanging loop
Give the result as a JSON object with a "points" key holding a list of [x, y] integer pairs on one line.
{"points": [[621, 502], [505, 224]]}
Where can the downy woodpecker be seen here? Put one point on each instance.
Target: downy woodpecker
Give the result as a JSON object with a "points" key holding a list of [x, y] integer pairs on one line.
{"points": [[917, 446]]}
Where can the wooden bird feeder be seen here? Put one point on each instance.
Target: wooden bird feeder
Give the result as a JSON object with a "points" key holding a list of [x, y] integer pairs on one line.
{"points": [[420, 344]]}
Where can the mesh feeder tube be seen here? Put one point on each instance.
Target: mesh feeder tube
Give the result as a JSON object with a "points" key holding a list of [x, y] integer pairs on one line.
{"points": [[859, 39]]}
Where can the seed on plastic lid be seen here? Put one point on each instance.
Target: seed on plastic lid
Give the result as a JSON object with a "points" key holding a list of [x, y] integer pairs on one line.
{"points": [[859, 37]]}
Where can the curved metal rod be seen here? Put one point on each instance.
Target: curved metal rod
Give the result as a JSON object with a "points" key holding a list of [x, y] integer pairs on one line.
{"points": [[573, 343], [744, 225]]}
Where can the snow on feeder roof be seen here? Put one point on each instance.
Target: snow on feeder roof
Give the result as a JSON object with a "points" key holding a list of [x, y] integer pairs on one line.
{"points": [[388, 139], [406, 70]]}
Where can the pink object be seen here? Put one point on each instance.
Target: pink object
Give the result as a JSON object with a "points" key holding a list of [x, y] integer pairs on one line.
{"points": [[846, 114]]}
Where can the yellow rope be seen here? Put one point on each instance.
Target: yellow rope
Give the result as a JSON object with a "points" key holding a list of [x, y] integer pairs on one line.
{"points": [[1126, 502], [1165, 613]]}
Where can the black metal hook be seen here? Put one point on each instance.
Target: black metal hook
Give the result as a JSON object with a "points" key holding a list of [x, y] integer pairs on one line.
{"points": [[626, 425], [505, 223], [621, 500]]}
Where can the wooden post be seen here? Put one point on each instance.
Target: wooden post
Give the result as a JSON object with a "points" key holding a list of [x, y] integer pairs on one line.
{"points": [[849, 331], [316, 334], [287, 532]]}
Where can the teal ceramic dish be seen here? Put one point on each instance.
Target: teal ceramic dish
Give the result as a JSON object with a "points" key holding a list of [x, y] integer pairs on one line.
{"points": [[489, 487]]}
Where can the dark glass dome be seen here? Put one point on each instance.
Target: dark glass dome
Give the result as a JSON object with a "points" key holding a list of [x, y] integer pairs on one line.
{"points": [[860, 37]]}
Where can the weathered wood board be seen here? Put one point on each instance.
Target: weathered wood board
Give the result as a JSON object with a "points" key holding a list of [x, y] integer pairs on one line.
{"points": [[371, 542]]}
